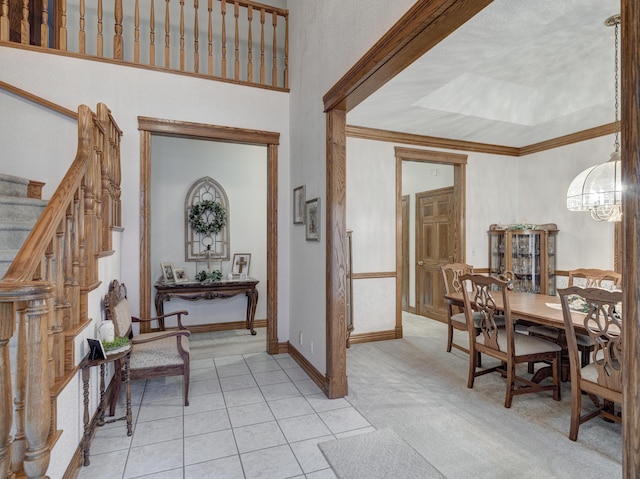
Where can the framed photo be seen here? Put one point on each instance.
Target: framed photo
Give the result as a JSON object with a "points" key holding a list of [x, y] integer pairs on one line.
{"points": [[299, 199], [312, 219], [241, 263], [168, 272], [180, 275]]}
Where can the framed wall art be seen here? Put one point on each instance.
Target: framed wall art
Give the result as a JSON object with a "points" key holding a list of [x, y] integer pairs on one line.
{"points": [[168, 272], [312, 219], [180, 275], [298, 205], [241, 263]]}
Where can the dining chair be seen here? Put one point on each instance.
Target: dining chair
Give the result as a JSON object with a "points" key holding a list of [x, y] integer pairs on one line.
{"points": [[505, 344], [587, 278], [601, 378], [456, 319]]}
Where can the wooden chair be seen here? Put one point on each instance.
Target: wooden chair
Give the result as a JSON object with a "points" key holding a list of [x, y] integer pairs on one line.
{"points": [[601, 378], [153, 355], [587, 278], [456, 319], [504, 343]]}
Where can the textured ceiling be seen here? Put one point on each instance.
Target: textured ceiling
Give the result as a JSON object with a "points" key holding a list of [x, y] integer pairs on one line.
{"points": [[518, 73]]}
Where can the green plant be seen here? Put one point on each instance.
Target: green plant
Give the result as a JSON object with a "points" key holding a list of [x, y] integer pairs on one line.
{"points": [[208, 217], [205, 277], [117, 342]]}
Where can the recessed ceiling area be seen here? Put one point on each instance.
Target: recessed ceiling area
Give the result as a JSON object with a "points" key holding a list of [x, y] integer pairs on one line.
{"points": [[518, 73]]}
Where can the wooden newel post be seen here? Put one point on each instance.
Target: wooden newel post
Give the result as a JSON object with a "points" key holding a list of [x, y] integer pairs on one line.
{"points": [[37, 404], [7, 326]]}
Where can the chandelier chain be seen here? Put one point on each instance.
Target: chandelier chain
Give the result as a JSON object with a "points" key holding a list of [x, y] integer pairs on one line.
{"points": [[616, 142]]}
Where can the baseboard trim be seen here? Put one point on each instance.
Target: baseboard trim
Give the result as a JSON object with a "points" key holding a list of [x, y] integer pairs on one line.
{"points": [[374, 336], [321, 381], [209, 328]]}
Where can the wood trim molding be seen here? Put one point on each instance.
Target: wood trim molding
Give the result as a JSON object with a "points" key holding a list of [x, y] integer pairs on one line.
{"points": [[429, 141], [420, 29], [430, 156], [229, 326], [151, 126], [433, 142], [384, 274], [38, 100], [374, 336], [316, 376]]}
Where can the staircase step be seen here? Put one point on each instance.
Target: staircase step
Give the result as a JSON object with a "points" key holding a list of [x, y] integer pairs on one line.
{"points": [[14, 233], [15, 208], [6, 258], [13, 186]]}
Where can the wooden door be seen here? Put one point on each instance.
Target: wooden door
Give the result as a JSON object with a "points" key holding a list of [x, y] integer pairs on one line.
{"points": [[406, 276], [435, 247]]}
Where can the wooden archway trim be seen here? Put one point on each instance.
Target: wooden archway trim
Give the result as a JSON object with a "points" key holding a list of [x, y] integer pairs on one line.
{"points": [[200, 131]]}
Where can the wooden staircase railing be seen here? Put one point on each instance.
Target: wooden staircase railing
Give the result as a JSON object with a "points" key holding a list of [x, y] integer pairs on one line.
{"points": [[166, 33], [43, 295]]}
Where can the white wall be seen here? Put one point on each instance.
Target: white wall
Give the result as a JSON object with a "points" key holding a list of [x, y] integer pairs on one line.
{"points": [[326, 39], [176, 163]]}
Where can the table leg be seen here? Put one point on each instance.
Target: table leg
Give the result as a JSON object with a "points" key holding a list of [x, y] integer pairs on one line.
{"points": [[86, 373], [101, 405], [252, 302], [126, 378]]}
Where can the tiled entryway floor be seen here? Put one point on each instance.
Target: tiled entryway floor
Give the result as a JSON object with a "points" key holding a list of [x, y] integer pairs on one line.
{"points": [[250, 416]]}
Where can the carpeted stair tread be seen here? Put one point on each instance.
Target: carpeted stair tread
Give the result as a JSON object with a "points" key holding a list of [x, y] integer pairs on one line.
{"points": [[13, 185]]}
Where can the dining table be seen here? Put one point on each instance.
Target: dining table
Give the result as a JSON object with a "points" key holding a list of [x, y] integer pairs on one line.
{"points": [[539, 309]]}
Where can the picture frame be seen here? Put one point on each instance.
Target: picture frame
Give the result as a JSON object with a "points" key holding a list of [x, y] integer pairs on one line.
{"points": [[312, 219], [241, 264], [168, 272], [180, 275], [299, 200]]}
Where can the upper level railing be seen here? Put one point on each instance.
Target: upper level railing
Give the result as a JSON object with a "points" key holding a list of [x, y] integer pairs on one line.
{"points": [[235, 40], [44, 294]]}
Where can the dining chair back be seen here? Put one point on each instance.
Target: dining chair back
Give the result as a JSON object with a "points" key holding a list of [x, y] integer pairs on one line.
{"points": [[601, 379], [504, 343], [456, 319]]}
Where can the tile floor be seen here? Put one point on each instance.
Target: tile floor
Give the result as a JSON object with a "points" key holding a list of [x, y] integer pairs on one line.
{"points": [[250, 416]]}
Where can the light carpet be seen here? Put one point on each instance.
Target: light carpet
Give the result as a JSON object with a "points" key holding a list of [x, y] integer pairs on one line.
{"points": [[379, 454]]}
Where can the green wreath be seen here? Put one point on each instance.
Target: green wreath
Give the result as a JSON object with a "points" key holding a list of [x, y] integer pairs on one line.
{"points": [[208, 217]]}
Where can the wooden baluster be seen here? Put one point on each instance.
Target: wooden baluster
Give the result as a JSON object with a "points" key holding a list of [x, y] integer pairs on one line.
{"points": [[196, 33], [105, 181], [152, 35], [19, 442], [100, 39], [210, 39], [237, 42], [7, 327], [262, 72], [136, 34], [44, 25], [4, 33], [167, 38], [223, 34], [62, 32], [24, 23], [286, 52], [38, 408], [250, 46], [81, 34], [56, 343], [274, 71], [117, 38], [75, 269], [182, 35]]}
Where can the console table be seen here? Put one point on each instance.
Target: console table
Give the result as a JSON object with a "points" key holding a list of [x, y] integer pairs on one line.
{"points": [[196, 290]]}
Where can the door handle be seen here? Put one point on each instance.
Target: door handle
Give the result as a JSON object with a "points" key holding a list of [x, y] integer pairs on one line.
{"points": [[420, 263]]}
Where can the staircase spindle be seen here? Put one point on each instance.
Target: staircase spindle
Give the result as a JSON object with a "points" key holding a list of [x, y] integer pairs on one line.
{"points": [[44, 25], [152, 35], [210, 38], [181, 35], [117, 39], [24, 23], [236, 69], [56, 343], [274, 72], [262, 71], [196, 33], [167, 37], [7, 326], [81, 33], [19, 445], [100, 39], [62, 32], [250, 46], [136, 33], [223, 35], [4, 36]]}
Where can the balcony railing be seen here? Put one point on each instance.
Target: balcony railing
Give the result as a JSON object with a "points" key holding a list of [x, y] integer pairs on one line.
{"points": [[236, 40]]}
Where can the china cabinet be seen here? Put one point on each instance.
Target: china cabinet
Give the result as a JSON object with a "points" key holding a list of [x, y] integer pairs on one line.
{"points": [[526, 254]]}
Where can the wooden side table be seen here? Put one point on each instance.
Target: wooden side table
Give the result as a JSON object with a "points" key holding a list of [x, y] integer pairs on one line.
{"points": [[86, 366]]}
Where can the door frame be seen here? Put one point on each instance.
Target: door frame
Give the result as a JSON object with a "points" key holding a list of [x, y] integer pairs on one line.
{"points": [[201, 131], [459, 163]]}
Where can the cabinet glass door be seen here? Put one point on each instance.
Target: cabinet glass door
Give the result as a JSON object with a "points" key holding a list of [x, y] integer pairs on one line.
{"points": [[551, 264], [496, 254], [525, 261]]}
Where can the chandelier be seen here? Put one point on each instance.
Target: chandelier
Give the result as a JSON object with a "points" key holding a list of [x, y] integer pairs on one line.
{"points": [[599, 189]]}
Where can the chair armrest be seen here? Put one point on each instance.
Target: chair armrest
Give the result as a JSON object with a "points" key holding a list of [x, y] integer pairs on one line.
{"points": [[175, 313]]}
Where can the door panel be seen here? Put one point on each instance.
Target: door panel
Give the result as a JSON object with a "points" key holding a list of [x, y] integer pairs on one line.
{"points": [[434, 248]]}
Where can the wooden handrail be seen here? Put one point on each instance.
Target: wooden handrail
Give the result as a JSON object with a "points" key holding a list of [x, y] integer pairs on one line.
{"points": [[36, 99], [43, 295], [181, 21]]}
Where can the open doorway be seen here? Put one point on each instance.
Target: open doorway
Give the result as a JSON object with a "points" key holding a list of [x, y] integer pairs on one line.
{"points": [[152, 126]]}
